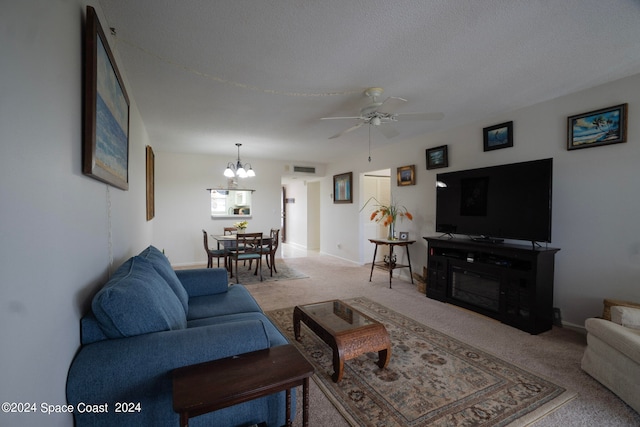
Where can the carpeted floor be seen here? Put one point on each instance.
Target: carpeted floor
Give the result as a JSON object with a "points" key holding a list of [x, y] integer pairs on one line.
{"points": [[285, 272], [555, 354], [431, 380]]}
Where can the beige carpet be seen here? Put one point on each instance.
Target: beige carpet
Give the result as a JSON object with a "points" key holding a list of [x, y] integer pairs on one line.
{"points": [[554, 354], [431, 380]]}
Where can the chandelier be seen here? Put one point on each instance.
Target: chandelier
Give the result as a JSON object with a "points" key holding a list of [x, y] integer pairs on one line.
{"points": [[237, 169]]}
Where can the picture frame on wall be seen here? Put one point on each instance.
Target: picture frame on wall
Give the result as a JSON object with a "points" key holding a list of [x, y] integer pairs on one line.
{"points": [[437, 157], [407, 175], [498, 136], [106, 110], [342, 188], [150, 169], [597, 128]]}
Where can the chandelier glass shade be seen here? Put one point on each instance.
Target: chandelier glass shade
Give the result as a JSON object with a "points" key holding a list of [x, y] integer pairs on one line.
{"points": [[237, 169]]}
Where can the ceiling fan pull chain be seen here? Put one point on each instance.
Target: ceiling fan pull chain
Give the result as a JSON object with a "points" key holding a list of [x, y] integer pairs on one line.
{"points": [[369, 143]]}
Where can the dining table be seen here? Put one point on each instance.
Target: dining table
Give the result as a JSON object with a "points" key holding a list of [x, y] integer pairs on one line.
{"points": [[228, 242]]}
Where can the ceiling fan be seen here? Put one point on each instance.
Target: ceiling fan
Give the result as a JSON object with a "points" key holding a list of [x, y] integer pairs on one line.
{"points": [[380, 114]]}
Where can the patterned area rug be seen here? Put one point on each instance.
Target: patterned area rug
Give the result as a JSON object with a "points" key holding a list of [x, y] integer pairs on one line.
{"points": [[284, 273], [431, 380]]}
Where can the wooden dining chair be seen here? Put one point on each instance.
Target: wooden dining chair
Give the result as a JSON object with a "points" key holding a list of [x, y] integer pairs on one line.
{"points": [[213, 253], [230, 230], [269, 250], [247, 249]]}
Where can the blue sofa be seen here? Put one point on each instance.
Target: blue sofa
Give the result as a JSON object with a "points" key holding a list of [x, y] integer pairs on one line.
{"points": [[148, 320]]}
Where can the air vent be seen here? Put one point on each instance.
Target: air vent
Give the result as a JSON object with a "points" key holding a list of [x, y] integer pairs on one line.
{"points": [[304, 169]]}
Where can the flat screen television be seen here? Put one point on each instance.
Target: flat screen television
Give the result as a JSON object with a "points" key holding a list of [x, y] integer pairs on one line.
{"points": [[499, 202]]}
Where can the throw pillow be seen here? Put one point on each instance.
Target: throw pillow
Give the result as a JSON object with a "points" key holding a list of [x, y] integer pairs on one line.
{"points": [[163, 267], [137, 300], [628, 317]]}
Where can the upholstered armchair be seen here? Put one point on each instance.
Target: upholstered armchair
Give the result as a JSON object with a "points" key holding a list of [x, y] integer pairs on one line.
{"points": [[613, 350]]}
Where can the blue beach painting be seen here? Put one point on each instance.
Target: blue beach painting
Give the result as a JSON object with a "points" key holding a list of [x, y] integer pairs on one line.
{"points": [[112, 119], [596, 128]]}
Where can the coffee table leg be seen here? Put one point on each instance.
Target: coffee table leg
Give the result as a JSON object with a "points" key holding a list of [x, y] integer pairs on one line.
{"points": [[296, 323], [384, 356], [338, 367]]}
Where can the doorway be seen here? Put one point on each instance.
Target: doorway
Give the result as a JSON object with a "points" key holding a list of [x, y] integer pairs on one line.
{"points": [[376, 184]]}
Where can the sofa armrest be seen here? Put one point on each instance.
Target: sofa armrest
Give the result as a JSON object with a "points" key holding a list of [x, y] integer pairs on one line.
{"points": [[204, 281], [624, 340], [629, 317], [138, 369]]}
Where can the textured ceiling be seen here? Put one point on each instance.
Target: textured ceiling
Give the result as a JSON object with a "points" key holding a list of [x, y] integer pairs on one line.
{"points": [[208, 74]]}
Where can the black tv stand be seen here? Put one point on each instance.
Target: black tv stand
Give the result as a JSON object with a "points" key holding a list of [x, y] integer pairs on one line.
{"points": [[508, 282], [487, 239]]}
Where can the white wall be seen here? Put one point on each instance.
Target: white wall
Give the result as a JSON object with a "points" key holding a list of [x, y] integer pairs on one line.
{"points": [[183, 206], [596, 198], [54, 221]]}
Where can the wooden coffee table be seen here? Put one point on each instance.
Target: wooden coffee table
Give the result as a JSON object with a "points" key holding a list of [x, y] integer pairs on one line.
{"points": [[209, 386], [347, 331]]}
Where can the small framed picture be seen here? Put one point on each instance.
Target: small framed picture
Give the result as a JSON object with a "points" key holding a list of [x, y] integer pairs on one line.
{"points": [[596, 128], [342, 188], [407, 175], [498, 136], [437, 157], [403, 235]]}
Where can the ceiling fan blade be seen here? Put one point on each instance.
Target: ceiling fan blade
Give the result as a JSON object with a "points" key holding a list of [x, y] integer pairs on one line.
{"points": [[332, 118], [346, 130], [391, 104], [420, 116], [387, 130]]}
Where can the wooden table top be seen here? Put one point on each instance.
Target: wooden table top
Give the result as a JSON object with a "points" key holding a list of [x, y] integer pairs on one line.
{"points": [[205, 387]]}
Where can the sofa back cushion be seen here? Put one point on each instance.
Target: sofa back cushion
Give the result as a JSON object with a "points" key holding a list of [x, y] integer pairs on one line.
{"points": [[137, 300], [163, 267]]}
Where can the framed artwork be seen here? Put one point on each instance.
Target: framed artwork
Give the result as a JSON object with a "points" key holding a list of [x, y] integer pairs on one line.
{"points": [[407, 175], [403, 235], [498, 136], [342, 188], [151, 166], [437, 157], [596, 128], [106, 111]]}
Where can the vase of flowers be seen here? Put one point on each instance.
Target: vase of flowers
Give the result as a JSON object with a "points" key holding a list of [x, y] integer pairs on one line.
{"points": [[388, 214], [241, 226]]}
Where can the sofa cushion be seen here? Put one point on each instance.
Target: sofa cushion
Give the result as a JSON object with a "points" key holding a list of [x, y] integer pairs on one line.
{"points": [[137, 300], [626, 316], [237, 299], [163, 267]]}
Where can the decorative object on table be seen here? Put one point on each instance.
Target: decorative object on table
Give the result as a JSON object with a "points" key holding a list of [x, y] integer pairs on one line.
{"points": [[105, 142], [241, 226], [151, 161], [432, 379], [596, 128], [407, 175], [437, 157], [342, 186], [498, 136], [237, 169], [403, 235], [390, 260], [388, 214]]}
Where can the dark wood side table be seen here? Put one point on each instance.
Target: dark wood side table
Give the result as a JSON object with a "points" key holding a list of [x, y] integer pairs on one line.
{"points": [[392, 265], [206, 387]]}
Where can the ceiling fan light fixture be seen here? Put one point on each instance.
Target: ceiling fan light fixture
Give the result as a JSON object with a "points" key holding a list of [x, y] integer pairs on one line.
{"points": [[376, 121]]}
